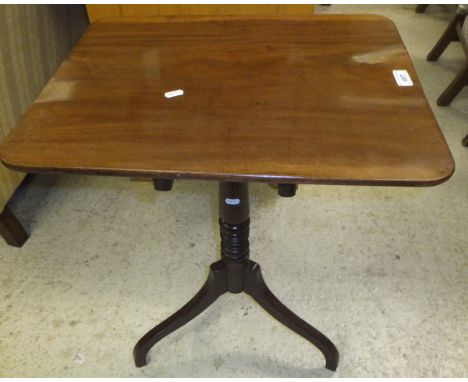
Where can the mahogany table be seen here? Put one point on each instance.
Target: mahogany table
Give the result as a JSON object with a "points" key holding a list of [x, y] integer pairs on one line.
{"points": [[289, 101]]}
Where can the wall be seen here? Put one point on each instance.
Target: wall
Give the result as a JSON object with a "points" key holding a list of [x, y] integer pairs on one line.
{"points": [[34, 39]]}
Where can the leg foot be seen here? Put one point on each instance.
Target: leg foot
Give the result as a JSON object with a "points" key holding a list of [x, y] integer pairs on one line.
{"points": [[421, 8], [211, 290], [11, 229], [255, 286], [459, 82], [163, 184]]}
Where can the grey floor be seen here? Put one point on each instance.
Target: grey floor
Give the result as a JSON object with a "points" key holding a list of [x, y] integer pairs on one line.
{"points": [[382, 271]]}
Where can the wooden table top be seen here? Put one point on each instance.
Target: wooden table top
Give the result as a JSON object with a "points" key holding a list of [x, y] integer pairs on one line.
{"points": [[297, 100]]}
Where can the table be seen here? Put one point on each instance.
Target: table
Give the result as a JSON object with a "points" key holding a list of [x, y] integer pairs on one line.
{"points": [[236, 100]]}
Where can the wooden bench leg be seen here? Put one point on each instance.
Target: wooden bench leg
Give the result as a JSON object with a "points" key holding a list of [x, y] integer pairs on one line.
{"points": [[460, 81], [11, 229], [465, 141], [447, 37], [421, 8]]}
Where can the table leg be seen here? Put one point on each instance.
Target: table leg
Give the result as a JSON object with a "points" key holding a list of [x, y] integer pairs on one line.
{"points": [[214, 287], [255, 286], [11, 229], [465, 141], [235, 273], [421, 8]]}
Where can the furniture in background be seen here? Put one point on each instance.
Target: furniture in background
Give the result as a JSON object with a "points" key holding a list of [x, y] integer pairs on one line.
{"points": [[11, 229], [34, 39], [457, 30], [97, 11], [249, 108], [421, 8]]}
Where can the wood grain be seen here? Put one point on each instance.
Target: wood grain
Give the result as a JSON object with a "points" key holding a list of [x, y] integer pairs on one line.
{"points": [[301, 100], [138, 10], [99, 11]]}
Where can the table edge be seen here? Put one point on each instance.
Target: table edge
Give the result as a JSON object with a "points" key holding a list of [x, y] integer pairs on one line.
{"points": [[265, 178]]}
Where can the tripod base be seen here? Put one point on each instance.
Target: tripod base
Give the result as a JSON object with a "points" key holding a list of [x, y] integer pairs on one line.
{"points": [[221, 275], [235, 273]]}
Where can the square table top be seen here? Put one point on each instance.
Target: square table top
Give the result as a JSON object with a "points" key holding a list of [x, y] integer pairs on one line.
{"points": [[297, 100]]}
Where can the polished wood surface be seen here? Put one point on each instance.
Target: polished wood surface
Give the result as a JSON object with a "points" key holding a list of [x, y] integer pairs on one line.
{"points": [[98, 11], [297, 100]]}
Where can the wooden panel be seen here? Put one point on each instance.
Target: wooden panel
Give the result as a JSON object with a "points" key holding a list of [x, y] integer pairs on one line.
{"points": [[99, 11], [267, 9], [111, 10], [236, 9], [139, 9], [251, 9], [188, 9], [294, 9], [292, 100]]}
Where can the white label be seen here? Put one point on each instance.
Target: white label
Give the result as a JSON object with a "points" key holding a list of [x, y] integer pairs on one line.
{"points": [[232, 202], [402, 78], [174, 93]]}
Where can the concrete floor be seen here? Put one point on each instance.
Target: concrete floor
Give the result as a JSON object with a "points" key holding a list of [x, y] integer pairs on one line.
{"points": [[382, 271]]}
